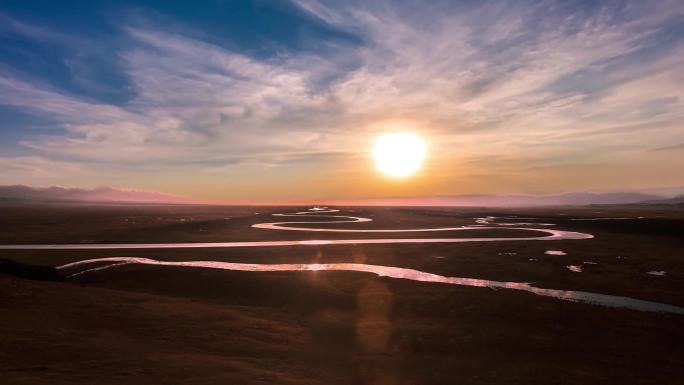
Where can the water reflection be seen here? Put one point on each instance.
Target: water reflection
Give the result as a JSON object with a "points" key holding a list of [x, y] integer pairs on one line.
{"points": [[391, 272], [552, 235], [490, 220], [555, 252]]}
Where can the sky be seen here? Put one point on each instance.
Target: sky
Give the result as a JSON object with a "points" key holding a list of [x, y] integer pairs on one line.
{"points": [[282, 100]]}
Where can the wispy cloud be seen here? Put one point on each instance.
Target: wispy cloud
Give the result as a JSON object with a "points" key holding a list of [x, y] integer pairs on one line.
{"points": [[29, 169], [674, 147], [533, 80]]}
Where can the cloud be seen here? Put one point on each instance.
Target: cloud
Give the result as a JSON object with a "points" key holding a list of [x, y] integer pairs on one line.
{"points": [[35, 166], [674, 147], [194, 101], [29, 169], [533, 80], [566, 199]]}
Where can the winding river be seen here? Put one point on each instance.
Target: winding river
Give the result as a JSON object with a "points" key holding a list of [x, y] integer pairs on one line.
{"points": [[316, 212], [86, 266]]}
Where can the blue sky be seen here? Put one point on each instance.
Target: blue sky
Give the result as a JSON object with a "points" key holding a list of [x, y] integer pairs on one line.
{"points": [[281, 100]]}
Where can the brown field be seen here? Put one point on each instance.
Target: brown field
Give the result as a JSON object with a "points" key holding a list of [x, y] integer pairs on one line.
{"points": [[168, 325]]}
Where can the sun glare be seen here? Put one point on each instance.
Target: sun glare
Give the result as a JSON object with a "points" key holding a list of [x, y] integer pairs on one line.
{"points": [[399, 155]]}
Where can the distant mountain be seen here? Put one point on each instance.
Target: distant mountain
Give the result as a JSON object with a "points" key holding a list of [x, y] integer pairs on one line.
{"points": [[678, 200], [567, 199], [20, 193]]}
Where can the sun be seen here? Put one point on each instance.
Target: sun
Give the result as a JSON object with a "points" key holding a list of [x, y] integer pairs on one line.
{"points": [[399, 155]]}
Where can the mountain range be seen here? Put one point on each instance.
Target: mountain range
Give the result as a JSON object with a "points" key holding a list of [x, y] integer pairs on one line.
{"points": [[25, 194]]}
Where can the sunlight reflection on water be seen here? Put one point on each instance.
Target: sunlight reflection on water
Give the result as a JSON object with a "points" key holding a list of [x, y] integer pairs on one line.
{"points": [[396, 272], [314, 212], [383, 271]]}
